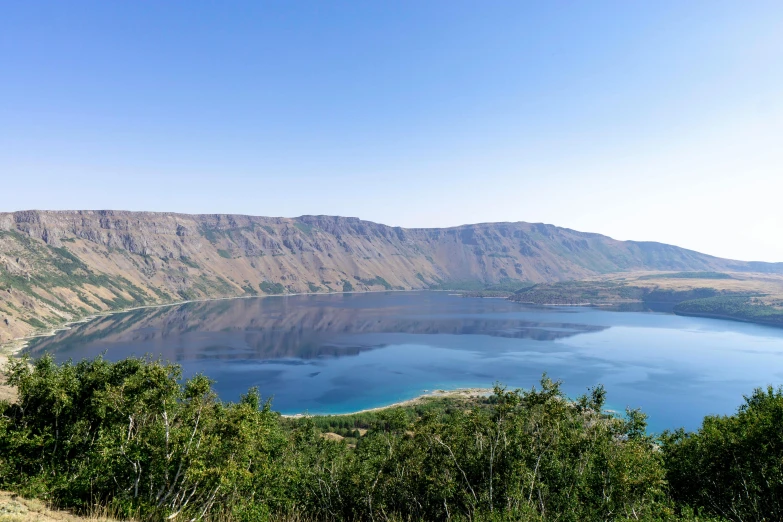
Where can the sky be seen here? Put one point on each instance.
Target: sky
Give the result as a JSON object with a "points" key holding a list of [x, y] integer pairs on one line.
{"points": [[651, 120]]}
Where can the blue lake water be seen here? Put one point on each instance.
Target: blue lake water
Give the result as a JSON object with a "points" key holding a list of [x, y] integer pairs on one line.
{"points": [[347, 352]]}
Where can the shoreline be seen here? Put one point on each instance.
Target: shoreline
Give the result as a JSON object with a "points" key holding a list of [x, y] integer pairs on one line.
{"points": [[12, 347], [456, 393], [722, 317], [17, 344]]}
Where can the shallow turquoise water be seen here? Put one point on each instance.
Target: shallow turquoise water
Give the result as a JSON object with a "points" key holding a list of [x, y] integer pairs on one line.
{"points": [[342, 353]]}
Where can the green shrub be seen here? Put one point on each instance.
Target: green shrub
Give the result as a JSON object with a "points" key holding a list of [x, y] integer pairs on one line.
{"points": [[733, 465], [130, 435], [189, 262], [375, 281], [271, 288], [136, 438], [743, 308], [36, 323], [304, 227]]}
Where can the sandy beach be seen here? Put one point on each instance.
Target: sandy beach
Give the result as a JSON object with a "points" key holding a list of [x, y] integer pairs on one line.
{"points": [[457, 393]]}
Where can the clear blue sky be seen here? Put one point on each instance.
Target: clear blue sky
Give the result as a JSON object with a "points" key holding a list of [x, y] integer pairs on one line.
{"points": [[652, 120]]}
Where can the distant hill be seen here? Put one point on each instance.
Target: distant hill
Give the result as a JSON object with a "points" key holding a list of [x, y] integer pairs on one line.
{"points": [[56, 266]]}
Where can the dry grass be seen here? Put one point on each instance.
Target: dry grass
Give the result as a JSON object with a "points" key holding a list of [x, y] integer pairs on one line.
{"points": [[7, 393], [17, 509], [771, 284]]}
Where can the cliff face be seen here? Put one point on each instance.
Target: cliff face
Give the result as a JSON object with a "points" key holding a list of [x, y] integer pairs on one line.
{"points": [[57, 266]]}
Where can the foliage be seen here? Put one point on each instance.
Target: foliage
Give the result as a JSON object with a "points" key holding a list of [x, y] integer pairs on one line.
{"points": [[705, 301], [696, 301], [133, 437], [376, 281], [211, 234], [530, 456], [471, 285], [189, 262], [732, 466], [743, 308], [271, 288], [35, 323], [130, 436], [249, 289], [688, 275], [578, 292], [347, 286], [476, 287], [304, 227], [667, 295], [509, 285], [347, 425]]}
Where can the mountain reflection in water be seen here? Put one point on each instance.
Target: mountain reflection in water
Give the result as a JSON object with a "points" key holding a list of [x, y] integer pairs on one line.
{"points": [[341, 353], [297, 327]]}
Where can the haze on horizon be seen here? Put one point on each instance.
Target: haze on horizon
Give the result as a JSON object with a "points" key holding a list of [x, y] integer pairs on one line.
{"points": [[655, 121]]}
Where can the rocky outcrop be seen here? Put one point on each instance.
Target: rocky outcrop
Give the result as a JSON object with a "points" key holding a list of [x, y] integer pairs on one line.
{"points": [[59, 265]]}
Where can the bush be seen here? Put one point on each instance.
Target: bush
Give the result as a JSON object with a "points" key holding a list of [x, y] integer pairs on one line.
{"points": [[271, 288], [130, 436], [133, 437], [733, 466], [743, 308]]}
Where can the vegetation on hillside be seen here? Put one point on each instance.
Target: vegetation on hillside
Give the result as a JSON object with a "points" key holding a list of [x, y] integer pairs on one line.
{"points": [[353, 425], [732, 466], [132, 437], [604, 292], [703, 301], [28, 281], [687, 275], [375, 281], [578, 292], [476, 288], [742, 308], [271, 288]]}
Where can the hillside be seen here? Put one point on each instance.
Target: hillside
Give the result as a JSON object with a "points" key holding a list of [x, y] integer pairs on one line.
{"points": [[747, 297], [57, 266]]}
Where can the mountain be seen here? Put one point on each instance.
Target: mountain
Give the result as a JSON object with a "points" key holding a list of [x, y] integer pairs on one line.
{"points": [[57, 266]]}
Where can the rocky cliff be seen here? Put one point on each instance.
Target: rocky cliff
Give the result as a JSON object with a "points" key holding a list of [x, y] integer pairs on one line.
{"points": [[56, 266]]}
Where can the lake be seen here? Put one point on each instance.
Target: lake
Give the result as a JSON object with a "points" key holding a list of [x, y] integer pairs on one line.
{"points": [[346, 352]]}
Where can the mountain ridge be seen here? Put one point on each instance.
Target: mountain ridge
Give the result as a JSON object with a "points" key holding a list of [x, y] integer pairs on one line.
{"points": [[57, 266]]}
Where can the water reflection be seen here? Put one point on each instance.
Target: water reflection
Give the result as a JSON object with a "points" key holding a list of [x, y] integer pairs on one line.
{"points": [[297, 327], [340, 353]]}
